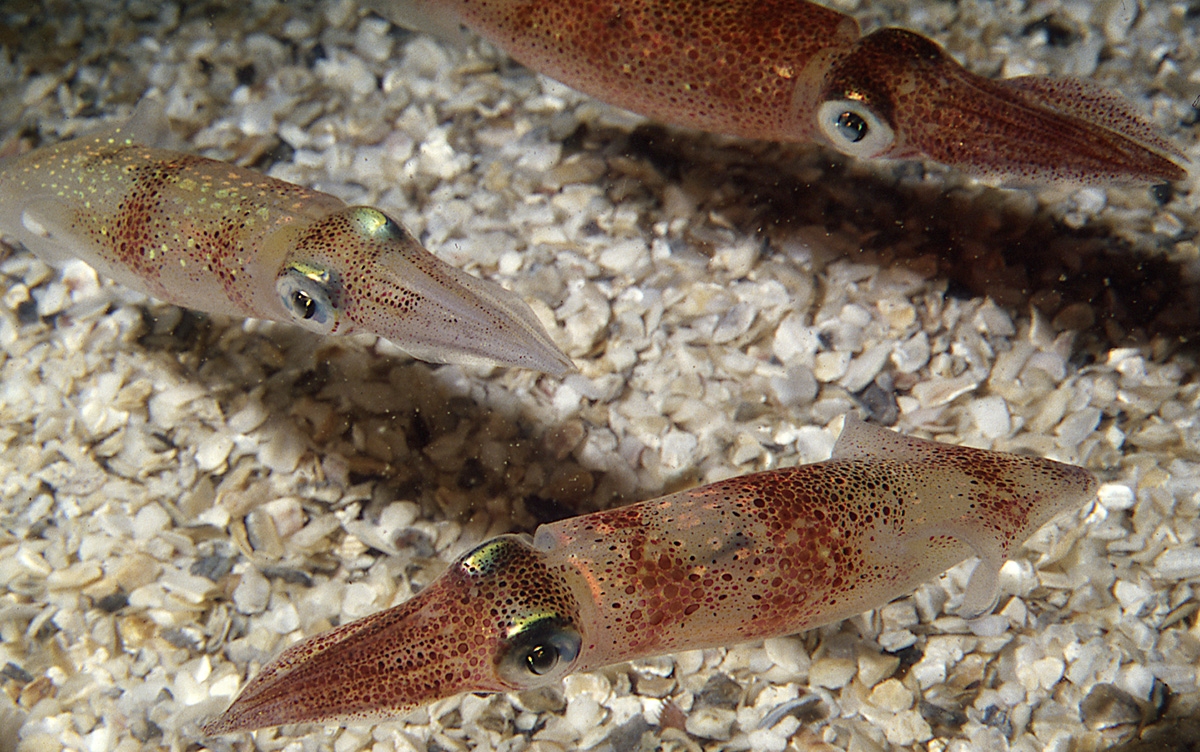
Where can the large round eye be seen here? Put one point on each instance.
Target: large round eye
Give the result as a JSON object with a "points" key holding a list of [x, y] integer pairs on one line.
{"points": [[539, 651], [310, 295], [853, 129]]}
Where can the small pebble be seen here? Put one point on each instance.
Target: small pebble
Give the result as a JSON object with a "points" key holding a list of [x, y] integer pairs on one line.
{"points": [[873, 667], [907, 728], [150, 521], [795, 342], [770, 740], [1115, 496], [832, 673], [891, 695], [252, 593], [788, 653], [1178, 563], [991, 416], [711, 723]]}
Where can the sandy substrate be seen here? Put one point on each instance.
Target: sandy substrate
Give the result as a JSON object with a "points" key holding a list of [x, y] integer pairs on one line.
{"points": [[182, 496]]}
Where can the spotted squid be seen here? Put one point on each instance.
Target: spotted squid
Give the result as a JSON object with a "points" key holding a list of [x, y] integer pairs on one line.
{"points": [[747, 558], [790, 70], [214, 237]]}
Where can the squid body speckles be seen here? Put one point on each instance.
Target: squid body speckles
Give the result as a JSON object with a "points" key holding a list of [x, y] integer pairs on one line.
{"points": [[748, 558], [790, 70], [219, 238]]}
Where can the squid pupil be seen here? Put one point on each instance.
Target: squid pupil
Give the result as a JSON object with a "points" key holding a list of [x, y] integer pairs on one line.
{"points": [[541, 659], [852, 126], [304, 304]]}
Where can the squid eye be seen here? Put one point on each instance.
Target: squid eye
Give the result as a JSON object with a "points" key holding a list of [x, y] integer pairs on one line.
{"points": [[303, 304], [539, 651], [541, 659], [310, 295], [851, 126], [853, 129]]}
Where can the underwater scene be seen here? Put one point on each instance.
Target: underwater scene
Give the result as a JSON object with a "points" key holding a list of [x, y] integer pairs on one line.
{"points": [[654, 375]]}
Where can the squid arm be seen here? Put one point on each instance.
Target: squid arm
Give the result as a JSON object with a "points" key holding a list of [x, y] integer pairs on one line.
{"points": [[218, 238], [791, 70], [747, 558]]}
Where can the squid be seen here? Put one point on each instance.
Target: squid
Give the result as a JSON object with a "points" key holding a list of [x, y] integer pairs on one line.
{"points": [[214, 237], [791, 70], [747, 558]]}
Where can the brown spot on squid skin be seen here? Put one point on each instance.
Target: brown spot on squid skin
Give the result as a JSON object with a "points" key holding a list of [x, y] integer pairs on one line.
{"points": [[763, 69], [758, 556]]}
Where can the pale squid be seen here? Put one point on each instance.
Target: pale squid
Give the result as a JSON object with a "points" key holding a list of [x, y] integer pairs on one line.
{"points": [[744, 559], [790, 70], [211, 236]]}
